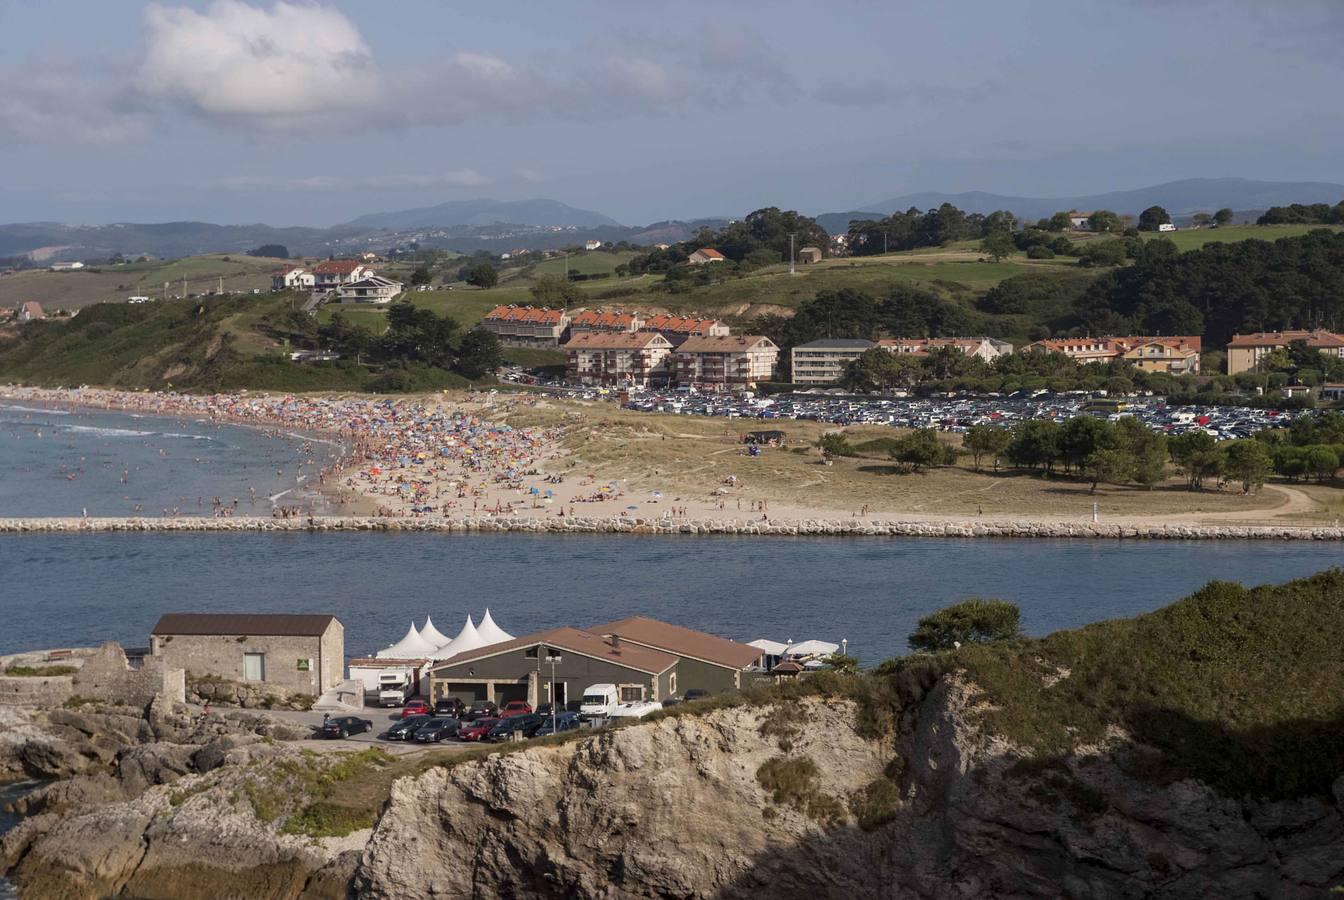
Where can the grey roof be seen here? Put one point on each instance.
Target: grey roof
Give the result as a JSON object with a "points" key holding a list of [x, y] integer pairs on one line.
{"points": [[838, 344], [282, 625]]}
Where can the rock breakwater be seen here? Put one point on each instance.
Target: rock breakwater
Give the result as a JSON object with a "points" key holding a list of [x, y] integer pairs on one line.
{"points": [[924, 528]]}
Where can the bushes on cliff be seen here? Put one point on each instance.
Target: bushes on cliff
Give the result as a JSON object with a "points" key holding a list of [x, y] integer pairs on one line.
{"points": [[972, 621]]}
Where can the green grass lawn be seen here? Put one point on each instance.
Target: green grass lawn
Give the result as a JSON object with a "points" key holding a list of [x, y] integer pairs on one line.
{"points": [[1194, 238], [99, 284]]}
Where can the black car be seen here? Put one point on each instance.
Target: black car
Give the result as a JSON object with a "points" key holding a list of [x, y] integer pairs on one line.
{"points": [[671, 701], [482, 709], [544, 709], [564, 721], [527, 723], [344, 726], [695, 694], [450, 706], [436, 729], [405, 729]]}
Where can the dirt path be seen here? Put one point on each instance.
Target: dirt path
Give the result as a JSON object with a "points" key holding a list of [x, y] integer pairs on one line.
{"points": [[1295, 503]]}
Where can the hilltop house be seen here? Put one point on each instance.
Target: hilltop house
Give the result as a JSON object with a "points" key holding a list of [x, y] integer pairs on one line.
{"points": [[809, 255], [725, 361], [369, 289], [591, 244], [335, 272], [1080, 221], [632, 359], [292, 278], [31, 311], [525, 326], [1245, 351], [704, 255], [65, 266]]}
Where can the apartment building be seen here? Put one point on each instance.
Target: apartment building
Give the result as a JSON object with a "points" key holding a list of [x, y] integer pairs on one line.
{"points": [[592, 321], [985, 348], [1245, 351], [625, 359], [725, 361], [526, 326], [824, 361]]}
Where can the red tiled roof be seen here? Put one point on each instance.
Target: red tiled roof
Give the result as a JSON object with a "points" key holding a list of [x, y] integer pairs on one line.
{"points": [[587, 643], [601, 318], [680, 324], [722, 343], [1284, 338], [681, 641], [525, 315], [337, 267], [620, 340], [710, 252]]}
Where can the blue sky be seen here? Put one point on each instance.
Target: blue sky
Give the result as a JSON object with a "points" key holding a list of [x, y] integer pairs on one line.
{"points": [[312, 113]]}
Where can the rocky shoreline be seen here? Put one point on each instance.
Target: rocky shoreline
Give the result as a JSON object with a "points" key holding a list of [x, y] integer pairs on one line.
{"points": [[951, 528]]}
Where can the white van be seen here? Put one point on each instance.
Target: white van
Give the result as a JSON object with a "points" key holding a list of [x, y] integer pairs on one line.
{"points": [[599, 700], [635, 710]]}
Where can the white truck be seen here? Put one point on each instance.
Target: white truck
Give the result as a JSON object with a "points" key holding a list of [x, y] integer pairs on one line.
{"points": [[394, 688], [599, 700]]}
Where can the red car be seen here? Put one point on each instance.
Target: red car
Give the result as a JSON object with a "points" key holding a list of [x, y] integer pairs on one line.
{"points": [[477, 730], [515, 708], [414, 708]]}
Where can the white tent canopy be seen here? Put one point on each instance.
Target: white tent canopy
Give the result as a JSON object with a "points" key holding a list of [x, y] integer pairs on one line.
{"points": [[432, 634], [812, 648], [467, 639], [490, 632], [772, 648], [412, 646]]}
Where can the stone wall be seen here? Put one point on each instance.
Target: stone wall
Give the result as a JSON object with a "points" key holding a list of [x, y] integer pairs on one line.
{"points": [[221, 656], [103, 673], [852, 527]]}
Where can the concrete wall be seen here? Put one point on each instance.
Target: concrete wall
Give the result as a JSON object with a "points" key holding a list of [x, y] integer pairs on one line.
{"points": [[222, 656]]}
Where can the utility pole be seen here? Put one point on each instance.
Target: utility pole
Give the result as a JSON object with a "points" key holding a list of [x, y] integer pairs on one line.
{"points": [[184, 287], [553, 660], [884, 242], [791, 234]]}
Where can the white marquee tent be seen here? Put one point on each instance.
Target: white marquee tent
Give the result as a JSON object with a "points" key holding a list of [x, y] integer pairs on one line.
{"points": [[432, 634], [490, 632], [412, 646]]}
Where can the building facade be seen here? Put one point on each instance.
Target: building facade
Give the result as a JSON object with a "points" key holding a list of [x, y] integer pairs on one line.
{"points": [[634, 360], [705, 255], [525, 326], [988, 349], [725, 362], [601, 321], [525, 668], [677, 328], [704, 661], [293, 653], [1245, 351], [370, 289], [824, 361], [1175, 355], [293, 278], [335, 272]]}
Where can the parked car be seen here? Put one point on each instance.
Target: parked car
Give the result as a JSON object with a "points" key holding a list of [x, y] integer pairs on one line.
{"points": [[476, 730], [565, 721], [415, 708], [515, 708], [436, 729], [544, 709], [525, 724], [671, 701], [405, 729], [482, 709], [695, 694], [450, 706], [344, 726]]}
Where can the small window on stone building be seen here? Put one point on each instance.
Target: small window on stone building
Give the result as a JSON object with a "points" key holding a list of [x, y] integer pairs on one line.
{"points": [[632, 693], [254, 666]]}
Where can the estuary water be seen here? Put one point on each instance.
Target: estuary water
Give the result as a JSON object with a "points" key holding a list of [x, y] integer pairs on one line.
{"points": [[57, 462]]}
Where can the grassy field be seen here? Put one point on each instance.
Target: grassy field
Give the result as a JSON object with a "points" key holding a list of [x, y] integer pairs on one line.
{"points": [[1194, 238], [691, 456], [98, 284]]}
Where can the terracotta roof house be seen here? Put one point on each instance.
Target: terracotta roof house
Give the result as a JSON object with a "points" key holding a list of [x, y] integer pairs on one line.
{"points": [[526, 326], [31, 311], [335, 272], [605, 320], [1245, 351], [705, 255], [984, 347], [725, 361], [677, 328], [617, 358]]}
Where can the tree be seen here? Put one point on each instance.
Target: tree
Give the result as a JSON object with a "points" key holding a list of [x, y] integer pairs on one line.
{"points": [[421, 276], [1147, 450], [987, 440], [1249, 462], [1103, 221], [482, 275], [1322, 462], [842, 662], [1060, 221], [552, 290], [1197, 455], [274, 251], [1201, 218], [480, 353], [1081, 437], [1112, 465], [835, 444], [1035, 444], [1103, 253], [1152, 217], [974, 621], [921, 448], [879, 370], [1223, 216], [997, 245]]}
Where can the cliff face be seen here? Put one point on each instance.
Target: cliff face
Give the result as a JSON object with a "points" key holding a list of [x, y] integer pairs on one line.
{"points": [[676, 809]]}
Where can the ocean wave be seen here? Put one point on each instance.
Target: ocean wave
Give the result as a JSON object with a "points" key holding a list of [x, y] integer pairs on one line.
{"points": [[106, 432], [35, 409]]}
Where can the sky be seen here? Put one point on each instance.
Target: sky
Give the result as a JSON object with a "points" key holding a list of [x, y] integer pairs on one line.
{"points": [[311, 113]]}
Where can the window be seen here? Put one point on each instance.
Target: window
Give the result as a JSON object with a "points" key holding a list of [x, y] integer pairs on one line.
{"points": [[672, 684], [632, 693], [531, 653], [254, 666]]}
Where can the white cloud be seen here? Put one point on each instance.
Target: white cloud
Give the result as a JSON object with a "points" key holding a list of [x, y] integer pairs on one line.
{"points": [[49, 100], [286, 66], [531, 175]]}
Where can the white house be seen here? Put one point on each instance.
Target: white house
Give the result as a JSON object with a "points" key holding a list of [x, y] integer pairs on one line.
{"points": [[592, 245], [704, 255], [335, 272], [1080, 221], [292, 278], [65, 266], [371, 289], [1166, 226]]}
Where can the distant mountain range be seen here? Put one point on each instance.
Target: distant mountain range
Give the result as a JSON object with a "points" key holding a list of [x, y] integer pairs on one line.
{"points": [[456, 213], [1179, 198]]}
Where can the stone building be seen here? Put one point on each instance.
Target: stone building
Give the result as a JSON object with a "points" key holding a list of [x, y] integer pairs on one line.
{"points": [[292, 653]]}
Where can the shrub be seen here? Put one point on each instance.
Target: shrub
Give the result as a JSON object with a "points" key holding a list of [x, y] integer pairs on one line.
{"points": [[876, 804], [974, 621], [39, 671]]}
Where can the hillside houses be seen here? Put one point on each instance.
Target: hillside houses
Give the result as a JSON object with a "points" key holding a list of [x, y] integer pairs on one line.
{"points": [[292, 278], [525, 326], [605, 322], [333, 273], [1174, 355], [369, 289], [626, 359], [1245, 351], [986, 348], [705, 255]]}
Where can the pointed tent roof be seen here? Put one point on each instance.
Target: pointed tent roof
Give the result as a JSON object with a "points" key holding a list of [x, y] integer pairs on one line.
{"points": [[432, 634], [412, 646], [467, 639], [490, 632]]}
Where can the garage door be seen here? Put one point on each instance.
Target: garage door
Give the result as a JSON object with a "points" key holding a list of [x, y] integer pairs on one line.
{"points": [[467, 693], [506, 692]]}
